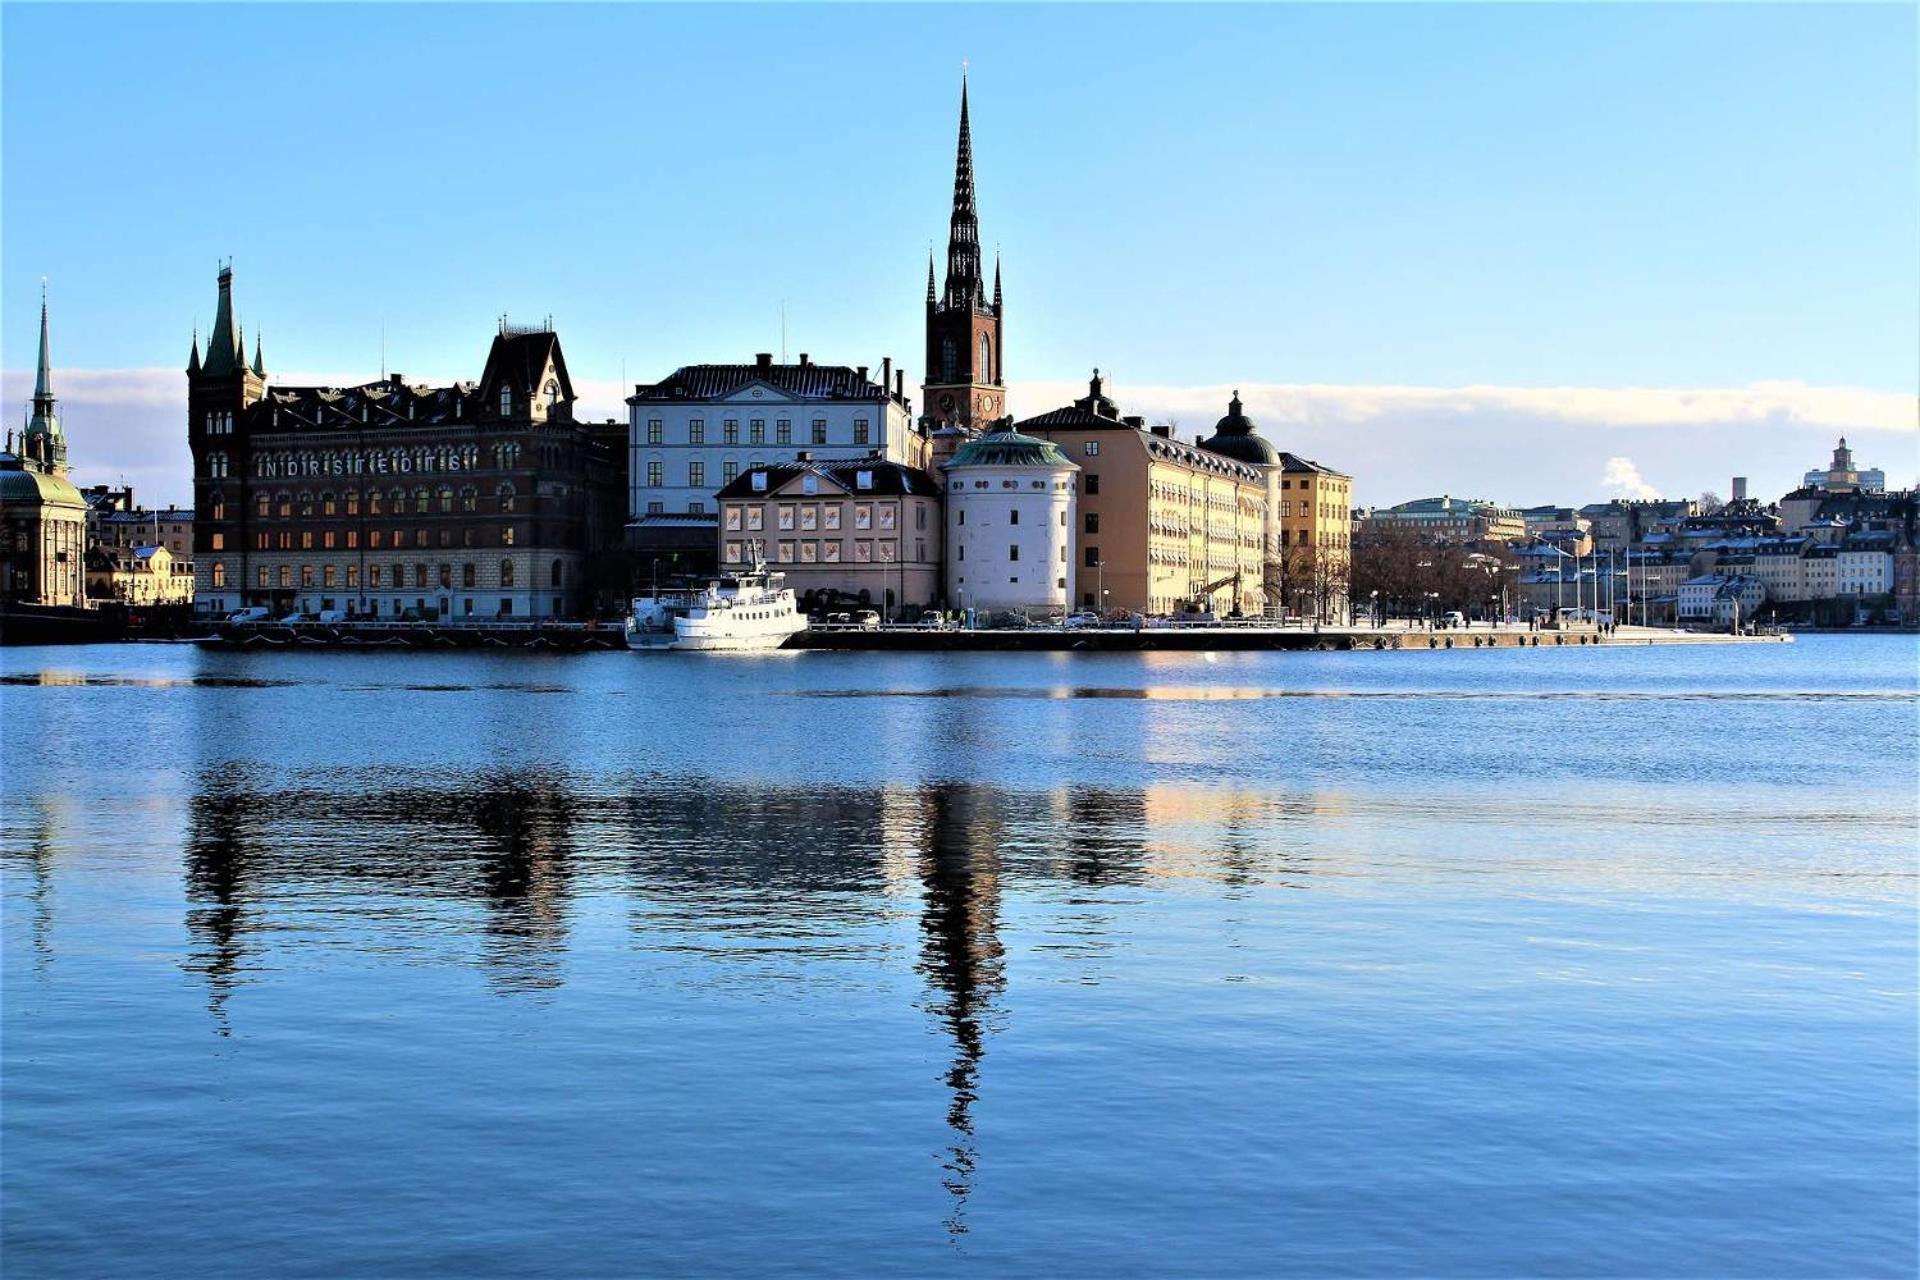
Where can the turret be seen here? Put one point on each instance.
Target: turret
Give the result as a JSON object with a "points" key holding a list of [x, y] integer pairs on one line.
{"points": [[43, 442]]}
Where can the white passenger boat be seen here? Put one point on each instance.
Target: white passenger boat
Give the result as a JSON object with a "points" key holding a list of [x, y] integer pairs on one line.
{"points": [[745, 611]]}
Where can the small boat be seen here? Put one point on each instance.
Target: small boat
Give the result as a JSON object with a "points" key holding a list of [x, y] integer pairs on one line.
{"points": [[742, 612]]}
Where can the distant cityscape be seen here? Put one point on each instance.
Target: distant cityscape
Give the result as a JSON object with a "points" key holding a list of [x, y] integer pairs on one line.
{"points": [[491, 501]]}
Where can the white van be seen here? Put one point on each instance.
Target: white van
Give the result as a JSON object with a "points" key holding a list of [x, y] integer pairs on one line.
{"points": [[257, 613]]}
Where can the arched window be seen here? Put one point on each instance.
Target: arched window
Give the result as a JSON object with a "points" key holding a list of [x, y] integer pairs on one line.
{"points": [[553, 392], [219, 573], [986, 360], [420, 500], [262, 504], [306, 502], [352, 499], [446, 498], [469, 498], [505, 494], [949, 359], [506, 573], [219, 505], [557, 575], [285, 500], [397, 499], [329, 505], [506, 402], [217, 465]]}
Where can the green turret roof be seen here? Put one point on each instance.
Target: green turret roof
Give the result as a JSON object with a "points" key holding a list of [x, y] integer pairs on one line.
{"points": [[1009, 448]]}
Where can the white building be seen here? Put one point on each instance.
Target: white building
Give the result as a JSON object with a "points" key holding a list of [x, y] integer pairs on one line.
{"points": [[1721, 598], [701, 426], [1012, 501], [1841, 475], [1863, 571]]}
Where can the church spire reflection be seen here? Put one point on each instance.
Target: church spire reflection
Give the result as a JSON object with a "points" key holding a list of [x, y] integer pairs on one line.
{"points": [[961, 958], [220, 854]]}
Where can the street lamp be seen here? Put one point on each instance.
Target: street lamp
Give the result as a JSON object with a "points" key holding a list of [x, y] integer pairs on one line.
{"points": [[1373, 607], [1100, 581]]}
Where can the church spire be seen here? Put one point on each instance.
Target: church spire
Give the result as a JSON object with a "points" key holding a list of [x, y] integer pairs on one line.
{"points": [[43, 373], [42, 442], [929, 275], [963, 239], [996, 281], [259, 365], [225, 353], [193, 356]]}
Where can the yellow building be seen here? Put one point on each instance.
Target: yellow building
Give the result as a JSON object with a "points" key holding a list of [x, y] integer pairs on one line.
{"points": [[1316, 536], [138, 576], [1161, 521]]}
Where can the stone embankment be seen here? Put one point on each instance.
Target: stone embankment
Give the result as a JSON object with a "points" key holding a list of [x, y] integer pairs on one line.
{"points": [[1195, 638]]}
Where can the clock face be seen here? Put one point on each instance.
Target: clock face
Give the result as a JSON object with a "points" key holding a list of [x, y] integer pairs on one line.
{"points": [[946, 401]]}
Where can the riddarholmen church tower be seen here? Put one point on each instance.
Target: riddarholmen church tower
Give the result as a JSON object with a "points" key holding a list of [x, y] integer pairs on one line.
{"points": [[965, 386]]}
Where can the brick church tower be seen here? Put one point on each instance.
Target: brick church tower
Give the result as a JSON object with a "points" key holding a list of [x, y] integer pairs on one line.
{"points": [[965, 385]]}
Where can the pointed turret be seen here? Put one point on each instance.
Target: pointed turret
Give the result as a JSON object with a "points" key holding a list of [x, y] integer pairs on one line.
{"points": [[225, 354], [929, 275], [996, 282], [193, 357], [259, 365], [963, 233]]}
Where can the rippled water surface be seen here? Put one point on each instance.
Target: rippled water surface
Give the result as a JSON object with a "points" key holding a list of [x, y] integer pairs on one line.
{"points": [[1476, 963]]}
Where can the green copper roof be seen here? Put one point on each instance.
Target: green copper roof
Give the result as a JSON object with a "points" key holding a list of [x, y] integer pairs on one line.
{"points": [[1009, 449], [44, 422], [224, 353]]}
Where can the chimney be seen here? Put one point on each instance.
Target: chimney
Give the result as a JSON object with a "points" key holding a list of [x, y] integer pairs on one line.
{"points": [[1739, 488], [1164, 429], [804, 362], [900, 384], [862, 371], [803, 456], [886, 373], [763, 360]]}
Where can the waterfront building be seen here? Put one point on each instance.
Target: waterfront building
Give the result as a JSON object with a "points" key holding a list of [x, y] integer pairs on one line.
{"points": [[1237, 436], [1448, 519], [1721, 599], [114, 519], [1012, 517], [966, 385], [479, 500], [43, 518], [1161, 521], [1316, 532], [1864, 565], [1841, 475], [865, 529], [137, 575], [1780, 564], [700, 427]]}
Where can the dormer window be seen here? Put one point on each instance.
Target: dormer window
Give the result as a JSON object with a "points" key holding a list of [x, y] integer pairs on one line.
{"points": [[810, 484], [863, 480], [506, 401], [553, 392], [759, 482]]}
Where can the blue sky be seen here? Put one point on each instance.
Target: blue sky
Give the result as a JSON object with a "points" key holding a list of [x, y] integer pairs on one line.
{"points": [[1440, 197]]}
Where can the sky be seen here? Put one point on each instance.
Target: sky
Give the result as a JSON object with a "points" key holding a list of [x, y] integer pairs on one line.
{"points": [[1536, 253]]}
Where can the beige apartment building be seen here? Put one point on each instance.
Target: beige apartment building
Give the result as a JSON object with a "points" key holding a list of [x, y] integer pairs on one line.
{"points": [[1161, 521], [138, 575], [864, 528], [1316, 537]]}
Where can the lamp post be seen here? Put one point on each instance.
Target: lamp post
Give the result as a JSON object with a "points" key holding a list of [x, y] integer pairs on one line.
{"points": [[1373, 607], [1100, 581]]}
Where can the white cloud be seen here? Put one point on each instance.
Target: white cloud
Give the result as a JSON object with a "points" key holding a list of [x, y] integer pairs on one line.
{"points": [[1623, 480]]}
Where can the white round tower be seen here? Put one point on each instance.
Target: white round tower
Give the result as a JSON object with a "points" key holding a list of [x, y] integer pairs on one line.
{"points": [[1012, 504]]}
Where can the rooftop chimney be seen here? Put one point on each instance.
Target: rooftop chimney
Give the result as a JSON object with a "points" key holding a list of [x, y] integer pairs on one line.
{"points": [[1163, 429], [803, 456], [763, 360], [804, 362], [862, 371], [900, 384], [886, 373], [1739, 488]]}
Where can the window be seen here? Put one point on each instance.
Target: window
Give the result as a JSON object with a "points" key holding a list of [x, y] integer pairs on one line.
{"points": [[219, 542], [1013, 516], [810, 518], [1013, 551], [696, 508], [353, 502], [861, 431], [810, 483], [729, 471], [786, 518], [306, 540], [557, 576], [830, 517], [506, 573], [756, 519], [327, 539], [262, 505], [656, 474], [285, 501], [830, 552], [260, 577], [505, 495], [1093, 557], [306, 575], [219, 573], [730, 431], [217, 465], [733, 519], [736, 552], [1093, 448], [553, 392], [782, 432], [697, 431], [696, 473], [655, 508], [373, 537], [863, 517], [949, 360], [887, 516], [446, 498], [1093, 522], [329, 505], [759, 482], [656, 431], [469, 499], [757, 432], [506, 401], [863, 480], [819, 430], [468, 574], [506, 536], [986, 360], [261, 541], [286, 576], [330, 576]]}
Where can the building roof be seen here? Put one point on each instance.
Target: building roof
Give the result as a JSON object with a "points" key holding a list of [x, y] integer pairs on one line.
{"points": [[888, 479], [699, 383], [519, 359], [1008, 448], [1294, 462], [25, 485], [1095, 411], [1235, 436]]}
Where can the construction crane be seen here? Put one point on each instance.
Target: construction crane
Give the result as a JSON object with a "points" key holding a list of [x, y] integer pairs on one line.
{"points": [[1198, 606]]}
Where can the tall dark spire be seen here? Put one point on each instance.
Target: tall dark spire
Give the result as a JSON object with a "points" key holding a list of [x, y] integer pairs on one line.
{"points": [[259, 365], [225, 354], [996, 280], [42, 441], [929, 275], [193, 357], [43, 372], [964, 286]]}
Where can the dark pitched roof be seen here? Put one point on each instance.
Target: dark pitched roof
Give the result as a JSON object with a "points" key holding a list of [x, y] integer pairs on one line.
{"points": [[702, 382], [1294, 462], [890, 479], [519, 359]]}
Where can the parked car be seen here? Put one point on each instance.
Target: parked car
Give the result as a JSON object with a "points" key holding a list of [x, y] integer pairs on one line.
{"points": [[1454, 619], [1083, 619], [330, 615], [295, 616], [257, 613], [932, 621], [867, 620]]}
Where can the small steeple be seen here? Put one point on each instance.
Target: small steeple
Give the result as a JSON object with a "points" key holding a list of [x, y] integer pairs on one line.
{"points": [[225, 352], [43, 374], [259, 365], [193, 357], [929, 275], [42, 443], [996, 280]]}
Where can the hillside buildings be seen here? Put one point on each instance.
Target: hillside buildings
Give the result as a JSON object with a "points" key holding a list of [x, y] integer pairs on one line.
{"points": [[1449, 519], [43, 518], [391, 499], [1841, 475]]}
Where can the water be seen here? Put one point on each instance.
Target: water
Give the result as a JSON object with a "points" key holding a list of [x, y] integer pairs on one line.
{"points": [[1580, 962]]}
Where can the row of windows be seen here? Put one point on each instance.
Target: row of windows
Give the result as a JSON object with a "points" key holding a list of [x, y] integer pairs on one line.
{"points": [[756, 431], [424, 501], [1013, 553], [379, 576], [1013, 517], [828, 551], [349, 539], [828, 516]]}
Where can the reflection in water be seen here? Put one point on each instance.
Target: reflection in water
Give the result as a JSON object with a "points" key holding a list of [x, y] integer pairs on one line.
{"points": [[525, 830], [960, 954], [221, 852]]}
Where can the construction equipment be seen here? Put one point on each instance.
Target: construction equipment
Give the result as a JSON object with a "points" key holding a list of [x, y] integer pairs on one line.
{"points": [[1198, 606]]}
